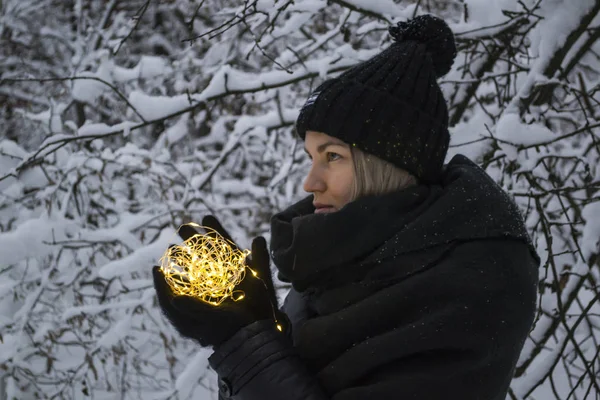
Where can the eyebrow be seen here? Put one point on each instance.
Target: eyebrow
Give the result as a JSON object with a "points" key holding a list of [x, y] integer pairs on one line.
{"points": [[323, 146]]}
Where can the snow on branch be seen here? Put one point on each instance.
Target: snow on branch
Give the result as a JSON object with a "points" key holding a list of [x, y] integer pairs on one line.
{"points": [[122, 121]]}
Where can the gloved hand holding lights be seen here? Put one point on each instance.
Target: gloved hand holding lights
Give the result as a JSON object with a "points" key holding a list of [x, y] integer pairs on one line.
{"points": [[209, 289]]}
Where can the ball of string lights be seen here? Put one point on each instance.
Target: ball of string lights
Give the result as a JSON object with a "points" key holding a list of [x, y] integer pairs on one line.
{"points": [[206, 266]]}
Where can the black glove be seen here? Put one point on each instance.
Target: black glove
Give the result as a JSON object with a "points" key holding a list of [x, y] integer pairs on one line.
{"points": [[212, 325]]}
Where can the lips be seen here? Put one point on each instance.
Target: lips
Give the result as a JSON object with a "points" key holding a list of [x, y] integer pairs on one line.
{"points": [[322, 208]]}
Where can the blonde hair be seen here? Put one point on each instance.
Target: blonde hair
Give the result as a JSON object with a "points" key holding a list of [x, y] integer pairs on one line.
{"points": [[374, 176]]}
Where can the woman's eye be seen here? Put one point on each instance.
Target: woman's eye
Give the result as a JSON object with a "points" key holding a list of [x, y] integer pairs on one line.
{"points": [[330, 156], [334, 155]]}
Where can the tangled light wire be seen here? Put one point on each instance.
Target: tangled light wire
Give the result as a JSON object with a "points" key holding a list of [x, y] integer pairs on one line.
{"points": [[206, 266]]}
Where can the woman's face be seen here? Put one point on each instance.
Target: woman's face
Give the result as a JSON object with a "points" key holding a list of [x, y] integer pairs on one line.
{"points": [[332, 173]]}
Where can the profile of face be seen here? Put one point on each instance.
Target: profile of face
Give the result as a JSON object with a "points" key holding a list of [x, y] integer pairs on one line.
{"points": [[332, 172]]}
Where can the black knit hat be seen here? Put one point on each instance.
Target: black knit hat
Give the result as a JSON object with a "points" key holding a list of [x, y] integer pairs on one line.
{"points": [[391, 105]]}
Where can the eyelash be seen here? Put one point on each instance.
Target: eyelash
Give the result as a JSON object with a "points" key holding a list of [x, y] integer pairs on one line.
{"points": [[333, 154], [328, 153]]}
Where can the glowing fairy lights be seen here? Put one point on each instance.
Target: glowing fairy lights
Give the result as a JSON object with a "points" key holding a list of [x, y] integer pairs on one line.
{"points": [[207, 267]]}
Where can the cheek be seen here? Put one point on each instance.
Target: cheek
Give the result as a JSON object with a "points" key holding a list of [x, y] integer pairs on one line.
{"points": [[342, 185]]}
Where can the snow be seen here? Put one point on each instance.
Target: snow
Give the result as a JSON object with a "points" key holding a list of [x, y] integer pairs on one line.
{"points": [[468, 138], [382, 7], [288, 56], [55, 125], [312, 6], [562, 18], [10, 150], [284, 170], [245, 125], [157, 107], [179, 130], [140, 259], [119, 232], [49, 117], [10, 155], [236, 186], [41, 332], [291, 25], [265, 5], [8, 346], [590, 240], [96, 309], [521, 387], [547, 38], [510, 128], [228, 79], [485, 17], [100, 129], [32, 238], [512, 133], [88, 90], [117, 332], [369, 26], [148, 67], [194, 370], [83, 224]]}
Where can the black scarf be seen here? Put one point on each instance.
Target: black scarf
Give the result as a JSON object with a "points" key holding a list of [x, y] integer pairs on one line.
{"points": [[350, 269], [321, 250]]}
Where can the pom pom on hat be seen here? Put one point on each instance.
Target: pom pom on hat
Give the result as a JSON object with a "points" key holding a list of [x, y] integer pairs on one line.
{"points": [[435, 34]]}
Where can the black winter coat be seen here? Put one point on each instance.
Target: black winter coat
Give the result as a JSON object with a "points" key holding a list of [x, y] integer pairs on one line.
{"points": [[426, 293]]}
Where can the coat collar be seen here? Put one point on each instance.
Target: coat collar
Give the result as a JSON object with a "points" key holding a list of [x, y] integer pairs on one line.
{"points": [[305, 244], [466, 205]]}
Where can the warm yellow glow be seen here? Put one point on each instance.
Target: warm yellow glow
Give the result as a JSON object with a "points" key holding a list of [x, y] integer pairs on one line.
{"points": [[208, 268]]}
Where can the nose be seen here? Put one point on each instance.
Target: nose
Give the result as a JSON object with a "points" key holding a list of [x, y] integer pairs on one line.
{"points": [[314, 181]]}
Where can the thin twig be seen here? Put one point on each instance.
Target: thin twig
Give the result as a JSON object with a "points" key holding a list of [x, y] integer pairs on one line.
{"points": [[138, 17], [75, 78]]}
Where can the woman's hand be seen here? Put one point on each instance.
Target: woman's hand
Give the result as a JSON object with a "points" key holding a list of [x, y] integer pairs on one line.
{"points": [[212, 325]]}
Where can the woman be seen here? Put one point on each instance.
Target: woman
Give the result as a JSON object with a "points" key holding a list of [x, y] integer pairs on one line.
{"points": [[410, 279]]}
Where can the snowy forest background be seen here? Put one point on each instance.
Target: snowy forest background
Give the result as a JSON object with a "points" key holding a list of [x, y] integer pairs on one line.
{"points": [[120, 120]]}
